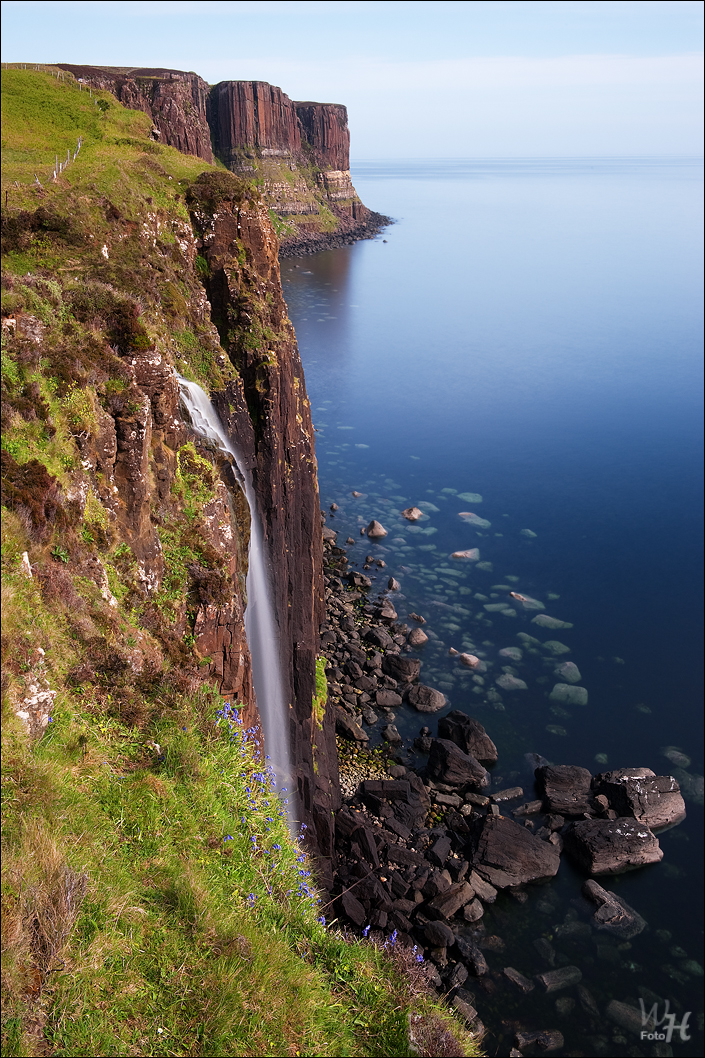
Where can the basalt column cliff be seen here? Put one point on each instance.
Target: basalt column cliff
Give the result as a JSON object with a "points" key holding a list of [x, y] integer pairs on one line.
{"points": [[298, 150]]}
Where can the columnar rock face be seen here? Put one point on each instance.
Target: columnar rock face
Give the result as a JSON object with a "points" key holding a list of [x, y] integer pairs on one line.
{"points": [[173, 99], [325, 127], [252, 114], [267, 413]]}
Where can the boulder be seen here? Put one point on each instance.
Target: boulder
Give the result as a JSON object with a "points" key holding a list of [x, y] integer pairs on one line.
{"points": [[412, 514], [353, 908], [391, 734], [386, 612], [556, 980], [439, 935], [654, 800], [611, 846], [468, 734], [511, 683], [425, 699], [358, 580], [470, 661], [447, 904], [506, 854], [448, 764], [403, 669], [613, 915], [379, 637], [569, 672], [348, 728], [388, 699], [471, 955], [417, 638], [569, 694], [393, 585], [566, 789], [375, 530]]}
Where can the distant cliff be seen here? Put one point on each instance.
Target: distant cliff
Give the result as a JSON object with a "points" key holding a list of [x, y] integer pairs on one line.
{"points": [[299, 150]]}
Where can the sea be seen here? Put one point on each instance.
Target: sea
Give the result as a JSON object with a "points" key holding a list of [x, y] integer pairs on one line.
{"points": [[518, 355]]}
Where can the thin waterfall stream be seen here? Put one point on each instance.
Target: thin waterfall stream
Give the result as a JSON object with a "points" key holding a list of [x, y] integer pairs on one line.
{"points": [[260, 623]]}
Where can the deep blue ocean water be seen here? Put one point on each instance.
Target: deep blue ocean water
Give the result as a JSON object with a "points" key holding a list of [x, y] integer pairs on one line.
{"points": [[530, 332]]}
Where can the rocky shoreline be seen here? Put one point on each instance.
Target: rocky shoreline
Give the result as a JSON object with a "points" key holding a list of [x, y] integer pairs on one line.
{"points": [[421, 853], [348, 232]]}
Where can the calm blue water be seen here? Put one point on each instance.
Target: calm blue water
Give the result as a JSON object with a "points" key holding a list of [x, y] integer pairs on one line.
{"points": [[530, 331]]}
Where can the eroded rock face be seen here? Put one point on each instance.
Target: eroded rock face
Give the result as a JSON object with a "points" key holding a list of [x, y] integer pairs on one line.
{"points": [[173, 99], [267, 414]]}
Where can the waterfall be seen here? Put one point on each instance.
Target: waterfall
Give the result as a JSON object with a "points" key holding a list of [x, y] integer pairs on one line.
{"points": [[260, 623]]}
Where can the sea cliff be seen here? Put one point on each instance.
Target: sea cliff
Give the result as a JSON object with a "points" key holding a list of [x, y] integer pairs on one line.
{"points": [[299, 152]]}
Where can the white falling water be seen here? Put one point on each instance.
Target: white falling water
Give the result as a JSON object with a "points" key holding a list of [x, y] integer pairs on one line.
{"points": [[260, 624]]}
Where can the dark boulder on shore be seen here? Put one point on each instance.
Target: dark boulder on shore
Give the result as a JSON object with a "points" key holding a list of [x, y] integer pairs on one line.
{"points": [[611, 846], [405, 670], [654, 800], [566, 789], [448, 764], [506, 854], [468, 734]]}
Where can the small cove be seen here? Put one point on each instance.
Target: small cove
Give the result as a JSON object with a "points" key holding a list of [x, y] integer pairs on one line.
{"points": [[528, 334]]}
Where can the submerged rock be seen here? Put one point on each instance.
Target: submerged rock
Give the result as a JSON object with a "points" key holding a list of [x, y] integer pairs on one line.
{"points": [[569, 672], [528, 533], [472, 554], [513, 653], [511, 683], [553, 646], [544, 621], [474, 519], [570, 694], [613, 915]]}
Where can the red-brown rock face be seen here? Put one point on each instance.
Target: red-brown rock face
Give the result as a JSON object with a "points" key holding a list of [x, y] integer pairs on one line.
{"points": [[267, 413], [252, 114], [173, 99], [325, 127]]}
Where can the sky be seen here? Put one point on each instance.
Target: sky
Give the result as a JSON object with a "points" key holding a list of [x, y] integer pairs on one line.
{"points": [[420, 80]]}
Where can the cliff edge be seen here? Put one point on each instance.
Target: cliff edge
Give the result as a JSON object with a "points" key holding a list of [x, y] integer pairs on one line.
{"points": [[297, 152]]}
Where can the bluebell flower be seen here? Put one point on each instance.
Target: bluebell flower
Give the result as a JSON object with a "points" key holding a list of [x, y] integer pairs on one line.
{"points": [[366, 930], [322, 920], [251, 899]]}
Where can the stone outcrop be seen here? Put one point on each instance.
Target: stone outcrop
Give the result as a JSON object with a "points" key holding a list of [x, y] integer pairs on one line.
{"points": [[173, 99]]}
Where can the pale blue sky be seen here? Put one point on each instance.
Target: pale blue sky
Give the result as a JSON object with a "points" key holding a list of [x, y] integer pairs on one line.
{"points": [[440, 79]]}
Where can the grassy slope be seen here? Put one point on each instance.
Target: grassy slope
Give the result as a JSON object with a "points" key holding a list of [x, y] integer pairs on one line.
{"points": [[153, 902]]}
